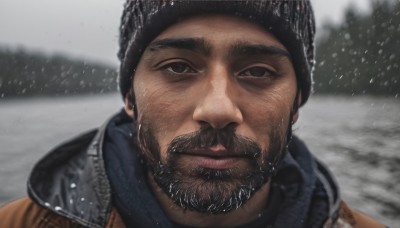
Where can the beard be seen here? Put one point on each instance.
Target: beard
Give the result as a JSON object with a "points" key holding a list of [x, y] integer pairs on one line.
{"points": [[212, 191]]}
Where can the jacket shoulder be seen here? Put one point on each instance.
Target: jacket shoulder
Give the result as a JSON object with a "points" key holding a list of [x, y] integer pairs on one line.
{"points": [[357, 218], [21, 213], [25, 213], [350, 218]]}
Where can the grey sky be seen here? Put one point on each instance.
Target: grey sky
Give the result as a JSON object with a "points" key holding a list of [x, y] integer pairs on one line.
{"points": [[89, 28]]}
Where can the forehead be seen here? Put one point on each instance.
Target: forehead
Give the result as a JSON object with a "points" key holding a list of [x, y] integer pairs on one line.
{"points": [[219, 30]]}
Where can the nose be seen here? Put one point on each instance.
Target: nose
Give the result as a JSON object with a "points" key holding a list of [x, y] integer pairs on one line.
{"points": [[218, 107]]}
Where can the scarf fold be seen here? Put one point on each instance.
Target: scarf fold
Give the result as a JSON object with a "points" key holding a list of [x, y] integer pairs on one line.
{"points": [[131, 194]]}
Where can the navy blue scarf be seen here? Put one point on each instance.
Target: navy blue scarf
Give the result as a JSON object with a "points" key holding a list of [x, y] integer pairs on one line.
{"points": [[132, 196]]}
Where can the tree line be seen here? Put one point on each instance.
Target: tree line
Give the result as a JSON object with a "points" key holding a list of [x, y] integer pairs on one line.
{"points": [[25, 73], [359, 56]]}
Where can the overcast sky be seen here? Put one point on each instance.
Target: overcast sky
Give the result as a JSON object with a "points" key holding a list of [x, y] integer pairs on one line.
{"points": [[89, 28]]}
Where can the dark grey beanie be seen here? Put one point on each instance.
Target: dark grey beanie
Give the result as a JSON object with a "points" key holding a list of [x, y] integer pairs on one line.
{"points": [[291, 21]]}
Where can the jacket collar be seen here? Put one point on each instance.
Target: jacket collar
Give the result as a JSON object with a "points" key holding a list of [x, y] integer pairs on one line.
{"points": [[71, 180]]}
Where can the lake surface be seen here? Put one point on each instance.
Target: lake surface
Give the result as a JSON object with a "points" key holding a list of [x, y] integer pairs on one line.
{"points": [[357, 137]]}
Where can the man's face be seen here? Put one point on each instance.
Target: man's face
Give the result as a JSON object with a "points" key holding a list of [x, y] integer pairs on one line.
{"points": [[214, 96]]}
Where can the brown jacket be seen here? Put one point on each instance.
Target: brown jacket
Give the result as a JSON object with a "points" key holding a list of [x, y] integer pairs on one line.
{"points": [[25, 213]]}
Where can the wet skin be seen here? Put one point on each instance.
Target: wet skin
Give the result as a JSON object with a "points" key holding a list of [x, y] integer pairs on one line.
{"points": [[217, 71]]}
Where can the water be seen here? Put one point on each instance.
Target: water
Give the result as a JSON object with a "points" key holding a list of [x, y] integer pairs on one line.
{"points": [[358, 138], [31, 127]]}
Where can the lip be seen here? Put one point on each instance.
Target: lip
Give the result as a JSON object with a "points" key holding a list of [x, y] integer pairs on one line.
{"points": [[215, 162], [214, 157], [217, 151]]}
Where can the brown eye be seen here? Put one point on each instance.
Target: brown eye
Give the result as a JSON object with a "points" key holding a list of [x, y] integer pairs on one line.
{"points": [[257, 72], [179, 68]]}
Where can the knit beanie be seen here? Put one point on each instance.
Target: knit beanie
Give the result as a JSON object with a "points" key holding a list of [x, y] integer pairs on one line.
{"points": [[291, 21]]}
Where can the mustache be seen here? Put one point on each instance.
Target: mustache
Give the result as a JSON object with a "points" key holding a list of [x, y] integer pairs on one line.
{"points": [[235, 145]]}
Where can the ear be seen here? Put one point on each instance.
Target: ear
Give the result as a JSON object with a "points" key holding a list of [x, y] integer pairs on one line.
{"points": [[129, 107], [295, 109], [295, 116]]}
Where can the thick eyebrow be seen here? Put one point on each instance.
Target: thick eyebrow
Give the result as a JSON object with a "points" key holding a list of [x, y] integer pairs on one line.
{"points": [[242, 48], [191, 44]]}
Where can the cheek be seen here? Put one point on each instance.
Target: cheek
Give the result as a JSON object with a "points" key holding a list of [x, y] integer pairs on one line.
{"points": [[164, 110], [268, 115]]}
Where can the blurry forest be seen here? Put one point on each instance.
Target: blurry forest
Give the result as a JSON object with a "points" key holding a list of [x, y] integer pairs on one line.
{"points": [[25, 73], [359, 56]]}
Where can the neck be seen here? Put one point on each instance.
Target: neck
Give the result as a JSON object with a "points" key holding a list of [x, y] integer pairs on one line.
{"points": [[246, 213]]}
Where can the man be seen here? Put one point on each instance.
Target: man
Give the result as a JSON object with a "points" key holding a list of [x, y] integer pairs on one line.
{"points": [[211, 90]]}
